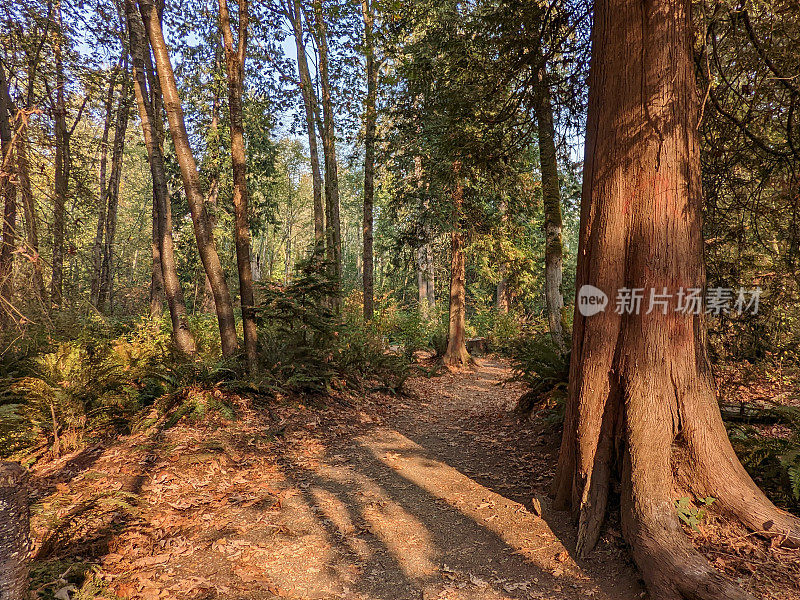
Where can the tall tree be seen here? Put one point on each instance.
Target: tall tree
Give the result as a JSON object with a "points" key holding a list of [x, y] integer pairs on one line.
{"points": [[327, 130], [426, 268], [8, 193], [640, 381], [106, 287], [148, 100], [62, 162], [551, 198], [293, 12], [102, 203], [191, 178], [235, 55], [456, 355], [29, 214], [370, 123]]}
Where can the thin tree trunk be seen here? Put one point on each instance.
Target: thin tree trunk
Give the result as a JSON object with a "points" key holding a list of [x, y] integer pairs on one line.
{"points": [[61, 167], [551, 197], [8, 192], [425, 265], [191, 180], [29, 212], [102, 204], [235, 56], [213, 187], [148, 97], [15, 542], [156, 275], [310, 103], [328, 134], [640, 383], [501, 297], [287, 254], [370, 124], [106, 292], [457, 355], [422, 281]]}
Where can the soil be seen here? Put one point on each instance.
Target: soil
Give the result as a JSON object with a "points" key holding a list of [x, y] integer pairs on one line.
{"points": [[437, 494]]}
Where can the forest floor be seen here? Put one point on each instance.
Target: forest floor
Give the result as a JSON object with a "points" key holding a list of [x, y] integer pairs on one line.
{"points": [[424, 496]]}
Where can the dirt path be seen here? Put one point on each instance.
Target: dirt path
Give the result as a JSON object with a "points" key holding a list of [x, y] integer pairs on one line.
{"points": [[423, 497], [443, 490]]}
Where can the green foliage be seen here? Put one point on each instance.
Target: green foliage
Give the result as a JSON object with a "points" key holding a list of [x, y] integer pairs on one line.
{"points": [[773, 462], [99, 384], [502, 330], [81, 580], [693, 513], [306, 347], [412, 331], [538, 363], [76, 386]]}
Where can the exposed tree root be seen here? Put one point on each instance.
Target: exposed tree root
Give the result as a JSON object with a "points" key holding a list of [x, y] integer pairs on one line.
{"points": [[458, 360], [671, 567], [718, 473]]}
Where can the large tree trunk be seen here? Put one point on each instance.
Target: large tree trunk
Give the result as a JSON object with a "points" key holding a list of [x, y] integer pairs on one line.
{"points": [[61, 167], [148, 98], [370, 123], [293, 12], [106, 288], [551, 197], [640, 384], [191, 179], [8, 192], [457, 355], [328, 135], [14, 532], [234, 63]]}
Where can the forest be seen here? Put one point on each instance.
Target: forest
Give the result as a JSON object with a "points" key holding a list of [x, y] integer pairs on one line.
{"points": [[400, 299]]}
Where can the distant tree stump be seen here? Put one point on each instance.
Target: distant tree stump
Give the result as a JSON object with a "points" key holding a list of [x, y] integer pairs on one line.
{"points": [[14, 532], [478, 345]]}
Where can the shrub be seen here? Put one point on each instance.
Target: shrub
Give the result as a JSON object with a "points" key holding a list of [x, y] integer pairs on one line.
{"points": [[306, 347], [537, 362], [774, 462]]}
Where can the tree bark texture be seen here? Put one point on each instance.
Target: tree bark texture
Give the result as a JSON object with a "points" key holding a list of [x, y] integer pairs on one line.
{"points": [[191, 179], [235, 55], [457, 355], [14, 532], [640, 384]]}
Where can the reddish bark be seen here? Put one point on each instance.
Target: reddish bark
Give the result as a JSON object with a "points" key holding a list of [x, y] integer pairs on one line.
{"points": [[640, 384]]}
